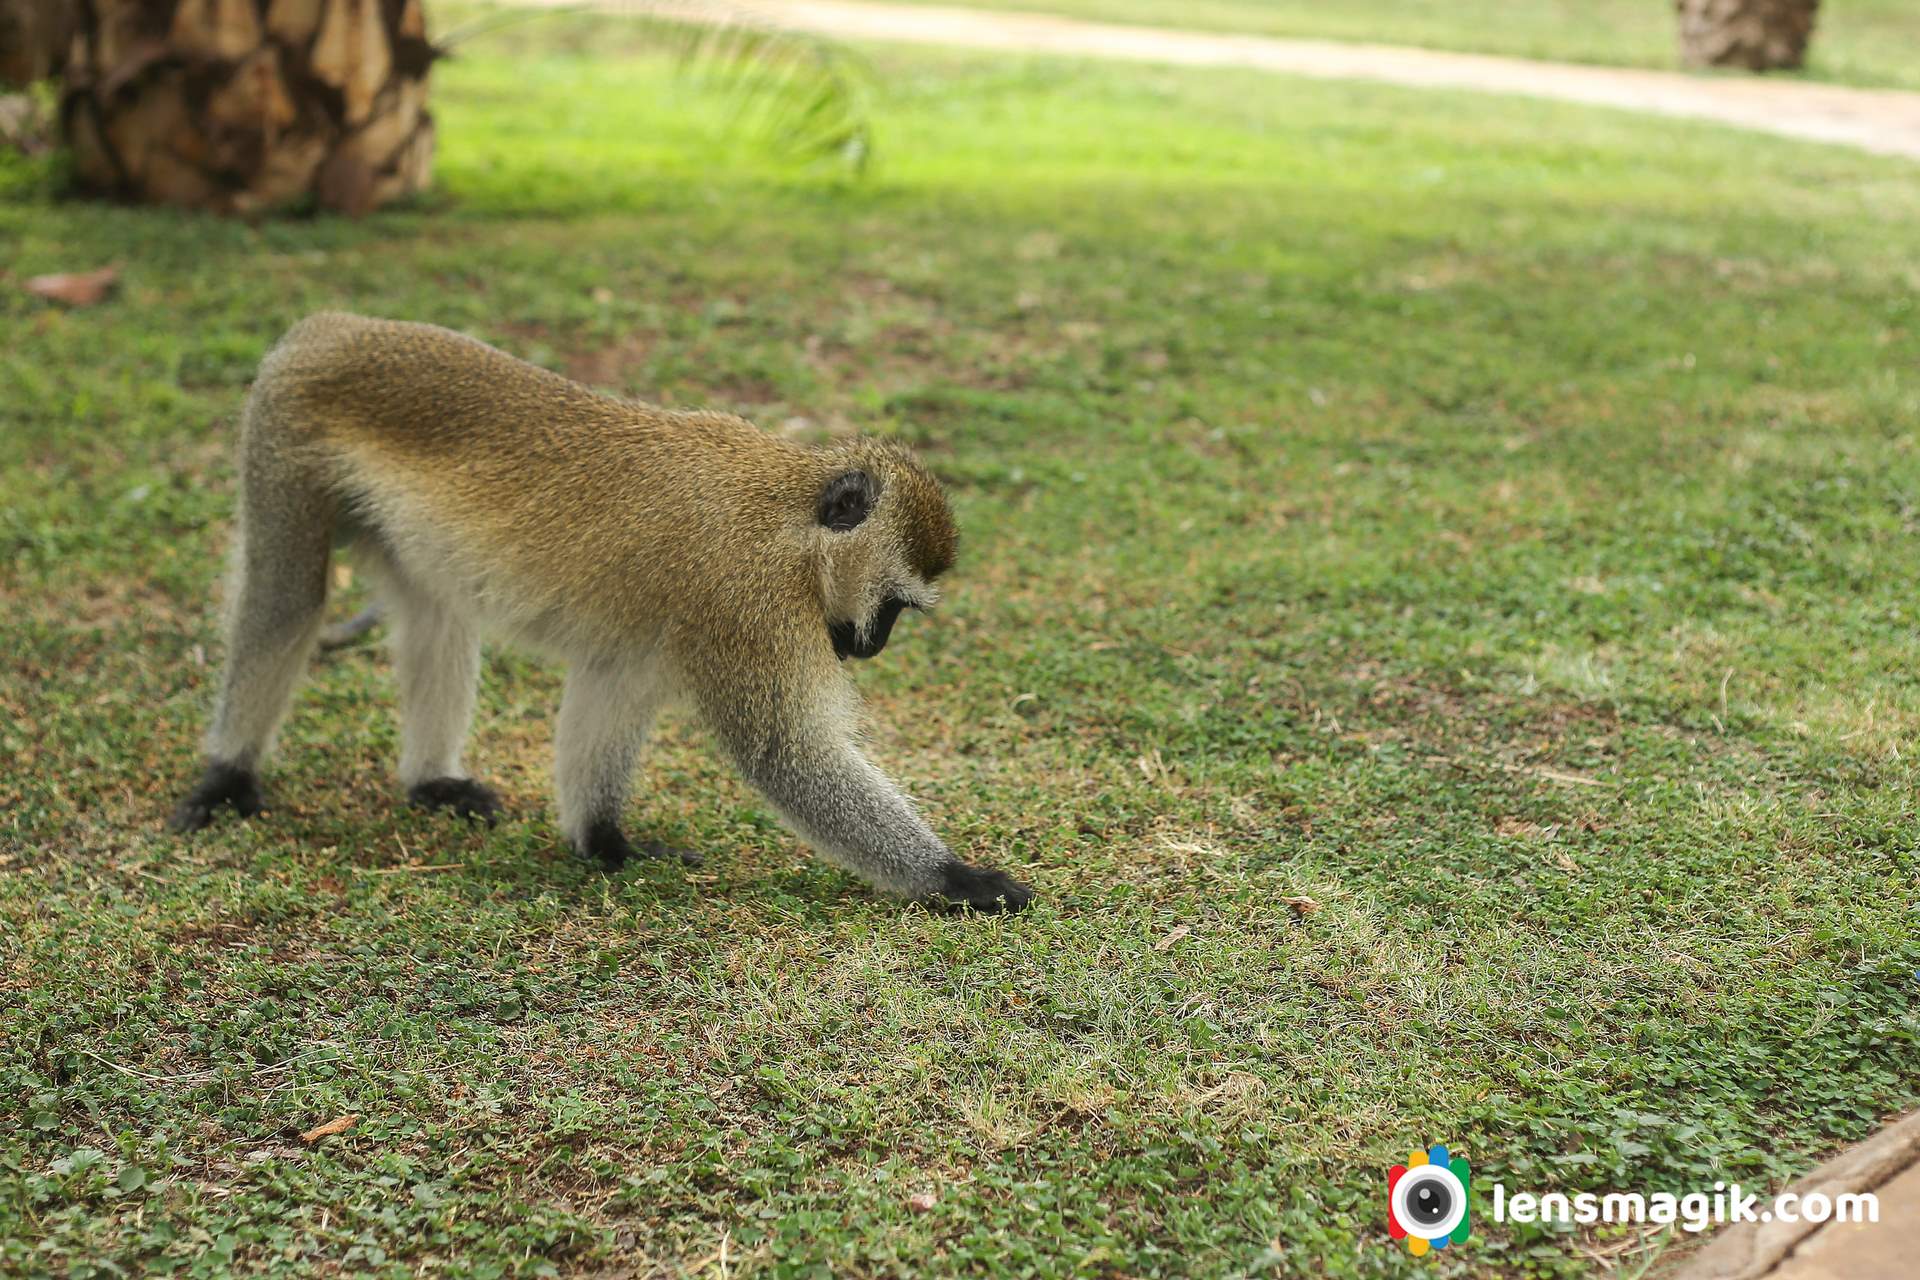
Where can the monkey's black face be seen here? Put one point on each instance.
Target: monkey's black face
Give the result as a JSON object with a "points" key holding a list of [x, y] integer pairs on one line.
{"points": [[846, 639]]}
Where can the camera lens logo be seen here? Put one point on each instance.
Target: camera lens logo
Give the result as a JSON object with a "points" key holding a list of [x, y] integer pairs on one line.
{"points": [[1427, 1200]]}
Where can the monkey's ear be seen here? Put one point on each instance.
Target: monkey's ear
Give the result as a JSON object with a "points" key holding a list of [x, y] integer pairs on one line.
{"points": [[846, 500]]}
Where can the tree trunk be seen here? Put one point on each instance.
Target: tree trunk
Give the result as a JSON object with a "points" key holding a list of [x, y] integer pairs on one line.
{"points": [[1759, 35], [33, 39], [243, 105]]}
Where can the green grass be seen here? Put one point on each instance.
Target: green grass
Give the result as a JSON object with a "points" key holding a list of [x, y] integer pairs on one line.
{"points": [[1479, 525], [1864, 42]]}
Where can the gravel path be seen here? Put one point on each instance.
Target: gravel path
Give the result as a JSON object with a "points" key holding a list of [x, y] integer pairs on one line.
{"points": [[1886, 121]]}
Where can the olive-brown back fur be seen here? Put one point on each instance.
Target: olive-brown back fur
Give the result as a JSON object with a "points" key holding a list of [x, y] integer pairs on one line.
{"points": [[575, 516]]}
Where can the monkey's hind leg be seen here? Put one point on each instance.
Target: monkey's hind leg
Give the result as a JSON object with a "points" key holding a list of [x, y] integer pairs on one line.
{"points": [[605, 716], [280, 593], [436, 656]]}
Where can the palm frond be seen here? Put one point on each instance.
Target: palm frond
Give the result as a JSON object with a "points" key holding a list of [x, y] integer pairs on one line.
{"points": [[805, 96]]}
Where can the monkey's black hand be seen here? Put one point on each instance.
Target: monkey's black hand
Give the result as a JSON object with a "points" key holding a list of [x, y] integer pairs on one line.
{"points": [[970, 888], [609, 846], [220, 784], [467, 798]]}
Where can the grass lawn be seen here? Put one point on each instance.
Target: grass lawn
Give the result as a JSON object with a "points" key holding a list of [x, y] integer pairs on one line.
{"points": [[1864, 42], [1436, 623]]}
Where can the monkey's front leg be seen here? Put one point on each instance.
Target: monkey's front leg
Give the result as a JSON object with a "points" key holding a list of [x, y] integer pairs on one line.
{"points": [[857, 818], [605, 715]]}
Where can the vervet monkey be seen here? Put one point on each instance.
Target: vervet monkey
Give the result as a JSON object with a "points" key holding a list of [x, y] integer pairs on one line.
{"points": [[658, 553]]}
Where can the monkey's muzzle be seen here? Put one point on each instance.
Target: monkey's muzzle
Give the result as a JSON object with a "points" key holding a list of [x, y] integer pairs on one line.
{"points": [[846, 637]]}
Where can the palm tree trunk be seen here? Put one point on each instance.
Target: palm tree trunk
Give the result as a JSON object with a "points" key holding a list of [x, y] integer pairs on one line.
{"points": [[245, 105], [33, 39], [1759, 35]]}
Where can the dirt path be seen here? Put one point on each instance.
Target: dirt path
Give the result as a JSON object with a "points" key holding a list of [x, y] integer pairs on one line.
{"points": [[1881, 120], [1888, 1165]]}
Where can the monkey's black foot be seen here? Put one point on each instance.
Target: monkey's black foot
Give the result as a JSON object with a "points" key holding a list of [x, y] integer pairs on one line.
{"points": [[969, 888], [467, 798], [609, 846], [220, 784]]}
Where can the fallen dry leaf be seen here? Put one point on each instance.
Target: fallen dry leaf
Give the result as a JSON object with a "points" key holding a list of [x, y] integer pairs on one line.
{"points": [[922, 1201], [330, 1128], [1172, 937], [75, 288], [1302, 906]]}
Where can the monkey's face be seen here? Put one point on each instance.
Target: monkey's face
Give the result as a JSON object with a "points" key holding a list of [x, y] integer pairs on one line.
{"points": [[887, 542], [850, 642]]}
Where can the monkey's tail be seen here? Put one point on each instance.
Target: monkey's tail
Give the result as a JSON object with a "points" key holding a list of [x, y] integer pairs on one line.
{"points": [[342, 634]]}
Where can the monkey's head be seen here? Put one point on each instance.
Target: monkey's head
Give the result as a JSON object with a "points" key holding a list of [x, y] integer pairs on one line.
{"points": [[888, 535]]}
